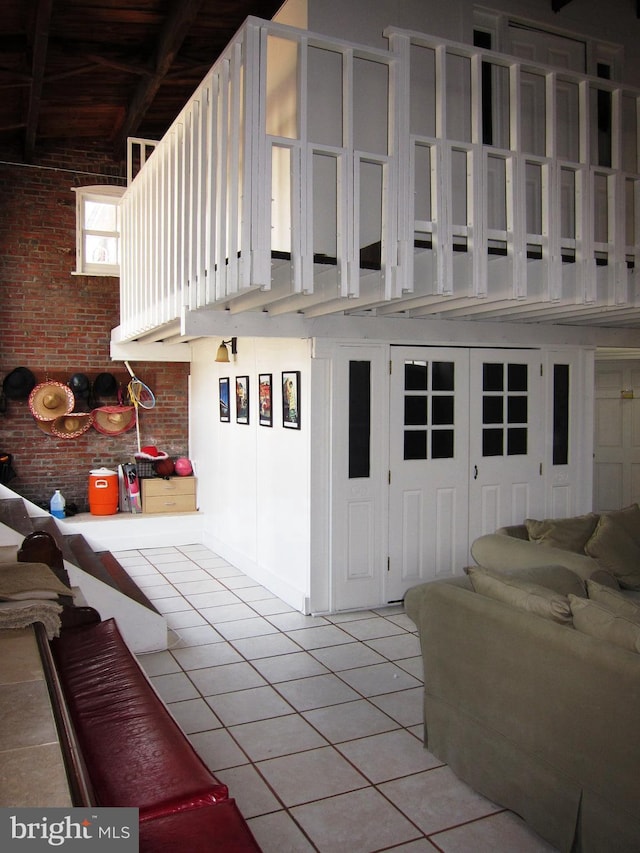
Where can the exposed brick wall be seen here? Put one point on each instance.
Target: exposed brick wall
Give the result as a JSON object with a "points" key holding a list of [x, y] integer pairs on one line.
{"points": [[58, 324]]}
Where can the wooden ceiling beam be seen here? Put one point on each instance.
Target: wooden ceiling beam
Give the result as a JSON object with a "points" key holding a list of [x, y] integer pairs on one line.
{"points": [[40, 45], [180, 20]]}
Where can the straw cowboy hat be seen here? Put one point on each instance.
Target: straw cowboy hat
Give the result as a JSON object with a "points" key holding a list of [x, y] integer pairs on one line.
{"points": [[51, 400], [71, 425], [114, 420]]}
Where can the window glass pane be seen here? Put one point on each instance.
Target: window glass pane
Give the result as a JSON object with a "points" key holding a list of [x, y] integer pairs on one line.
{"points": [[442, 444], [415, 410], [560, 414], [517, 409], [517, 441], [442, 410], [100, 216], [415, 375], [517, 377], [359, 418], [492, 410], [100, 250], [442, 376], [415, 444], [492, 442], [492, 377]]}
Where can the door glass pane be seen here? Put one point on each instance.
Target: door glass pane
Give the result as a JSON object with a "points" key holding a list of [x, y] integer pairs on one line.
{"points": [[492, 377], [359, 418], [442, 376], [517, 377], [492, 410], [560, 414], [415, 376], [517, 410], [492, 442], [441, 410], [415, 444], [516, 441], [415, 410], [442, 444]]}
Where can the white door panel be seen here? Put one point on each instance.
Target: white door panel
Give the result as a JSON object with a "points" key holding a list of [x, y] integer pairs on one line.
{"points": [[429, 469], [506, 439], [617, 435]]}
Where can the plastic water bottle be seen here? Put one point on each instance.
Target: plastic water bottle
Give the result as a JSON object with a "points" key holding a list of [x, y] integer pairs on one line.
{"points": [[57, 504]]}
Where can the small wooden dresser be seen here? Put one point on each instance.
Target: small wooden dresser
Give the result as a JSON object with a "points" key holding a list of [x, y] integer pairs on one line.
{"points": [[172, 494]]}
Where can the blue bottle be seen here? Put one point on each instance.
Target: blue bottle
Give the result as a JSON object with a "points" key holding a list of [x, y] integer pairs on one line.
{"points": [[57, 504]]}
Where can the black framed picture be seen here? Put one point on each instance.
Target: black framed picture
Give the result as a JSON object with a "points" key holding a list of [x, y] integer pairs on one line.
{"points": [[242, 399], [291, 399], [265, 399], [224, 399]]}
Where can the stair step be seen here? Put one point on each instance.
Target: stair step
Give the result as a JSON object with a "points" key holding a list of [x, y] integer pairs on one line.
{"points": [[86, 559], [124, 581], [72, 547], [13, 513]]}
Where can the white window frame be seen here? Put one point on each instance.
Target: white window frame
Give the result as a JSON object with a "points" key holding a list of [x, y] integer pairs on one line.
{"points": [[101, 194]]}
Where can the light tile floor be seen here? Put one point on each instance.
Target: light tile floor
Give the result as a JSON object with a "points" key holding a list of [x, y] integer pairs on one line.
{"points": [[313, 722]]}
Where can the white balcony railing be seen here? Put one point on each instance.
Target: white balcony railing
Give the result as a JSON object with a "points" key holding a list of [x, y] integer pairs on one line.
{"points": [[317, 176]]}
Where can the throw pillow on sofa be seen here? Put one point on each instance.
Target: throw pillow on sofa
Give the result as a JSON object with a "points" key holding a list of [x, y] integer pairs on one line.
{"points": [[615, 552], [613, 600], [570, 534], [523, 595], [600, 622], [629, 519]]}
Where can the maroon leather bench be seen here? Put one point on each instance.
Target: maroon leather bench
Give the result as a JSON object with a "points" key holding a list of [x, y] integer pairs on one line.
{"points": [[134, 751], [219, 827]]}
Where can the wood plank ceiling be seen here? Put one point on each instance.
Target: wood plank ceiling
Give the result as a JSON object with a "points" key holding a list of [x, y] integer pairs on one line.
{"points": [[107, 69]]}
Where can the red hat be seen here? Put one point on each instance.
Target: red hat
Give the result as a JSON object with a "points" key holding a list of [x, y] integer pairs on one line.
{"points": [[151, 452]]}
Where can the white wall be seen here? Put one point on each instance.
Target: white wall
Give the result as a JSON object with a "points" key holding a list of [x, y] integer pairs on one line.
{"points": [[253, 481], [364, 23]]}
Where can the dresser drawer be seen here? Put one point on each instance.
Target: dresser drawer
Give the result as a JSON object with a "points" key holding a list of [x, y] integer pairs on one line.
{"points": [[177, 494]]}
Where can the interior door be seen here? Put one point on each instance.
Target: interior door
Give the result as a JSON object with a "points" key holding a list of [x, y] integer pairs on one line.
{"points": [[429, 466], [506, 407], [617, 435]]}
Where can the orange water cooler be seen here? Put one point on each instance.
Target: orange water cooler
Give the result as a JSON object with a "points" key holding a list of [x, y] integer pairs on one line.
{"points": [[103, 492]]}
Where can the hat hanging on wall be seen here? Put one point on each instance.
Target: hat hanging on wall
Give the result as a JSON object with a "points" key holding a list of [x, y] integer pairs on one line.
{"points": [[114, 420], [105, 385], [18, 384], [71, 425], [51, 400]]}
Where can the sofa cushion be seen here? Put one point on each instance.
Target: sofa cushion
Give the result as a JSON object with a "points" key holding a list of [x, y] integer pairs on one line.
{"points": [[555, 578], [522, 595], [629, 519], [616, 552], [570, 534], [597, 620], [613, 600]]}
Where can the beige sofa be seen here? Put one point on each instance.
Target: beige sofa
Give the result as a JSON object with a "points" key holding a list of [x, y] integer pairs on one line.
{"points": [[532, 692]]}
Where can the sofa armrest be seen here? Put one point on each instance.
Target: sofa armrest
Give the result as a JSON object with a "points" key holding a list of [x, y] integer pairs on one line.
{"points": [[500, 552]]}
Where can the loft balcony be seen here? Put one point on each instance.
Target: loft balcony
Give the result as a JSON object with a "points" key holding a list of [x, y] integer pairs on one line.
{"points": [[311, 176]]}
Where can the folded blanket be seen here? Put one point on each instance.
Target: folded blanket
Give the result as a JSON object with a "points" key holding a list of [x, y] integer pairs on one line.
{"points": [[20, 581], [21, 614]]}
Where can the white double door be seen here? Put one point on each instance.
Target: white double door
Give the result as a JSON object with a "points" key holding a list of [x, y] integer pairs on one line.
{"points": [[466, 449]]}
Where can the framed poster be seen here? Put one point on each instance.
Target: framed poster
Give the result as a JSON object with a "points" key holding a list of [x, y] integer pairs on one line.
{"points": [[265, 398], [224, 399], [242, 399], [291, 399]]}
